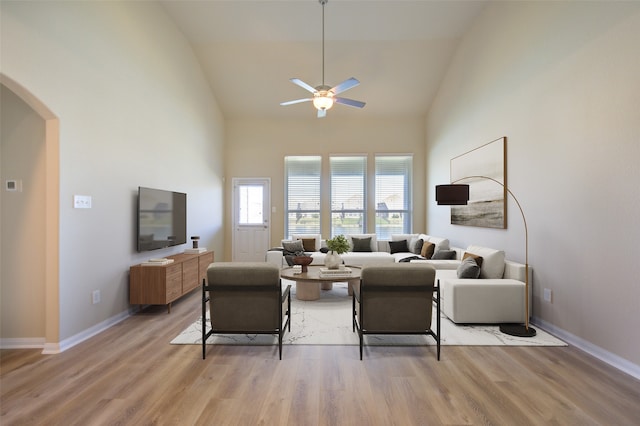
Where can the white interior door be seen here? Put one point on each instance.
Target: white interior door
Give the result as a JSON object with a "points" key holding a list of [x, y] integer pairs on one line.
{"points": [[251, 219]]}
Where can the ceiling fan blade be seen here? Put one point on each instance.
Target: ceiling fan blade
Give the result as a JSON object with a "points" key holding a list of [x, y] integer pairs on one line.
{"points": [[297, 101], [322, 113], [303, 85], [350, 102], [345, 85]]}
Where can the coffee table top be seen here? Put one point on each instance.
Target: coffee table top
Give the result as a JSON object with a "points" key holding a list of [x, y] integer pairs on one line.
{"points": [[313, 274]]}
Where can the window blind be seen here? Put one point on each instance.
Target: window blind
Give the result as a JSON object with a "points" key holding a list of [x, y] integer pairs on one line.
{"points": [[348, 194], [393, 195], [302, 194]]}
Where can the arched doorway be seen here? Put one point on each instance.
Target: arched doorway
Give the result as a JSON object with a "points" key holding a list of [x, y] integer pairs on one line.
{"points": [[52, 212]]}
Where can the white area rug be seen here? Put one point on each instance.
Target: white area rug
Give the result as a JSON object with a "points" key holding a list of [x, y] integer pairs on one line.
{"points": [[327, 321]]}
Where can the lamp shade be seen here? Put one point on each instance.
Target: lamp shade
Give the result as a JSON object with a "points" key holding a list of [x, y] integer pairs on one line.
{"points": [[322, 101], [452, 195]]}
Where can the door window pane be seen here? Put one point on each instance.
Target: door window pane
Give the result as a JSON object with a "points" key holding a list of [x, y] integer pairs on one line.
{"points": [[251, 205]]}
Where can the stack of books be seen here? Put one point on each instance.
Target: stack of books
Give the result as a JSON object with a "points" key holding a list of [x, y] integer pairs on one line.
{"points": [[338, 273], [158, 262]]}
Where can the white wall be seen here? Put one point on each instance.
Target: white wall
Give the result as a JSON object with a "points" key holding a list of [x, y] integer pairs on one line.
{"points": [[134, 110], [560, 81], [256, 148]]}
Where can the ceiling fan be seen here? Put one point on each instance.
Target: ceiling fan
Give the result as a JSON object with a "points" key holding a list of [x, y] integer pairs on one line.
{"points": [[325, 96]]}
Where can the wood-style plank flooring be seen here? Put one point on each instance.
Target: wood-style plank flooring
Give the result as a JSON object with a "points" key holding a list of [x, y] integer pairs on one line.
{"points": [[131, 375]]}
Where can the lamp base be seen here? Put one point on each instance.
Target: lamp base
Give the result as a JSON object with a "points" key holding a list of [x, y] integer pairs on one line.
{"points": [[518, 330]]}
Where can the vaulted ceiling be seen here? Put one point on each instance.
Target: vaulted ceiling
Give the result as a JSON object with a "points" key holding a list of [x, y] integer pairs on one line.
{"points": [[398, 49]]}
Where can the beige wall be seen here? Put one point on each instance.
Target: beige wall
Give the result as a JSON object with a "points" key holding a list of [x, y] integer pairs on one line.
{"points": [[257, 149], [134, 110], [22, 284], [560, 81]]}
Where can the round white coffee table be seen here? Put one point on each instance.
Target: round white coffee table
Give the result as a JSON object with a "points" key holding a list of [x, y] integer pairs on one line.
{"points": [[308, 284]]}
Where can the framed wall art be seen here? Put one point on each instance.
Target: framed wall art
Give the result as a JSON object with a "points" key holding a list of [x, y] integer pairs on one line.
{"points": [[484, 169]]}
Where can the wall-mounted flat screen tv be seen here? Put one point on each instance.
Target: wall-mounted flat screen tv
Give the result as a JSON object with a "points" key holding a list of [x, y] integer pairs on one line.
{"points": [[162, 219]]}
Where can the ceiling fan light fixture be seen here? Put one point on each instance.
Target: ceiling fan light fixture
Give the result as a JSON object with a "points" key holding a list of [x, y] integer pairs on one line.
{"points": [[323, 100]]}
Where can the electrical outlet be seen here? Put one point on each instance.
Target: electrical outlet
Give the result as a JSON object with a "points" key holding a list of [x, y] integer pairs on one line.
{"points": [[96, 297], [547, 295]]}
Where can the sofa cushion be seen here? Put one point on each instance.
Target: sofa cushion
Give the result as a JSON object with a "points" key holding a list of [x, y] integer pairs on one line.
{"points": [[374, 240], [477, 258], [444, 254], [427, 250], [441, 243], [398, 247], [468, 268], [400, 237], [316, 237], [365, 258], [361, 244], [492, 261]]}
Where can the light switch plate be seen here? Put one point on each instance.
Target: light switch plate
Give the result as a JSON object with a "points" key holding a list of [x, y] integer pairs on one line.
{"points": [[82, 201]]}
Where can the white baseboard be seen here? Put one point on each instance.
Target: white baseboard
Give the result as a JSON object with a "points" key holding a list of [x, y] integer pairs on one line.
{"points": [[588, 347], [50, 348], [88, 333]]}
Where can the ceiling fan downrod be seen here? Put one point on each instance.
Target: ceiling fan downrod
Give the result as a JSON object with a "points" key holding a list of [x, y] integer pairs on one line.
{"points": [[323, 2]]}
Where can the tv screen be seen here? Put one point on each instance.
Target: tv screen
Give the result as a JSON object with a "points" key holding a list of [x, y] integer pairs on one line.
{"points": [[162, 219]]}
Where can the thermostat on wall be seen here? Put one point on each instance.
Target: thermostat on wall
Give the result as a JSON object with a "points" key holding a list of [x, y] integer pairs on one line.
{"points": [[13, 185]]}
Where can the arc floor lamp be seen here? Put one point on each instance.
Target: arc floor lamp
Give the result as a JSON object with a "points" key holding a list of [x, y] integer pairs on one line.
{"points": [[456, 194]]}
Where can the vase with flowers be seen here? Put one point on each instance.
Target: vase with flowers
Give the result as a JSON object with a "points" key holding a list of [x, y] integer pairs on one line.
{"points": [[337, 246]]}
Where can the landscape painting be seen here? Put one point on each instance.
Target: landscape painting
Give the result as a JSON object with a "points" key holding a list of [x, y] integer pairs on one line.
{"points": [[484, 170]]}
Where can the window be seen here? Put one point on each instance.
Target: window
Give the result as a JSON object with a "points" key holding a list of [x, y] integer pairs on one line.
{"points": [[393, 195], [302, 194], [348, 188], [251, 204]]}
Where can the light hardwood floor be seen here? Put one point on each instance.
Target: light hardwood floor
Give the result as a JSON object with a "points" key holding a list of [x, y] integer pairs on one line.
{"points": [[131, 375]]}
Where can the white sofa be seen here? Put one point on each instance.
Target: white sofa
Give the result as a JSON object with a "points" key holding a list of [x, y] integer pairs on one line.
{"points": [[380, 250], [497, 296]]}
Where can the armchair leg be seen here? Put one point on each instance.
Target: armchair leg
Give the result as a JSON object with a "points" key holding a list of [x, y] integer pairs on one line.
{"points": [[438, 320], [204, 320]]}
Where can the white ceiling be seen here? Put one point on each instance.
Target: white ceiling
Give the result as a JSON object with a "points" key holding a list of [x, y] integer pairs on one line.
{"points": [[398, 49]]}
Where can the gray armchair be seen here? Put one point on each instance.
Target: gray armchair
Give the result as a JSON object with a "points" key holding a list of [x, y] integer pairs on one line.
{"points": [[245, 298], [396, 299]]}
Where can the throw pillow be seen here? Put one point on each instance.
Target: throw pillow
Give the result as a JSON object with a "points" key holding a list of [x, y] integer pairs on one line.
{"points": [[293, 247], [362, 244], [468, 268], [427, 250], [444, 254], [398, 247], [309, 244], [477, 258], [415, 245]]}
